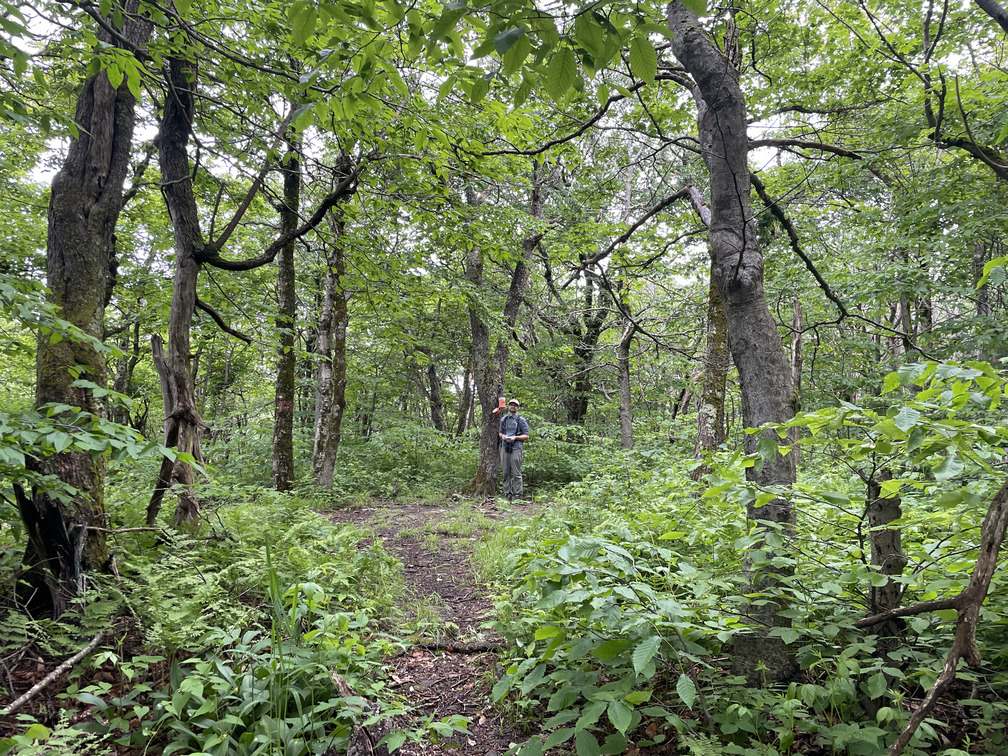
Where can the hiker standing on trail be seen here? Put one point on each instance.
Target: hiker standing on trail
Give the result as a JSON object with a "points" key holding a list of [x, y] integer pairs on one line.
{"points": [[512, 432]]}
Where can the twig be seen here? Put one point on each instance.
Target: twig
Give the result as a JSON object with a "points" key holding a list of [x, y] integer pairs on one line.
{"points": [[54, 675]]}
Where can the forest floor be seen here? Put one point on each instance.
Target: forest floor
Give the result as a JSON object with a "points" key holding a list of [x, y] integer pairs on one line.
{"points": [[450, 666]]}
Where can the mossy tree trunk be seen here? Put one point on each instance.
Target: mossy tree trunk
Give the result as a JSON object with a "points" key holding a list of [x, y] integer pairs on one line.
{"points": [[283, 412], [716, 361], [331, 375], [84, 206]]}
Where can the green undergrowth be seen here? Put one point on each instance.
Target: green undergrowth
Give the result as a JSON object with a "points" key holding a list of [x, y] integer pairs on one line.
{"points": [[230, 639], [622, 602]]}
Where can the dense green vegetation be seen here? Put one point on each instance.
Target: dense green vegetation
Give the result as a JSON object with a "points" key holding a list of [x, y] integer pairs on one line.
{"points": [[744, 266]]}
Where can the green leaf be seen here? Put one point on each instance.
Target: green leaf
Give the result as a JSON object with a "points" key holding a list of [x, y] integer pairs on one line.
{"points": [[637, 697], [560, 736], [512, 60], [610, 649], [907, 374], [686, 690], [836, 499], [504, 40], [303, 17], [697, 6], [948, 468], [586, 744], [620, 715], [788, 634], [547, 631], [890, 383], [133, 81], [115, 75], [994, 271], [501, 688], [38, 731], [877, 685], [906, 418], [562, 72], [447, 22], [394, 740], [479, 90], [182, 7], [643, 58], [645, 651]]}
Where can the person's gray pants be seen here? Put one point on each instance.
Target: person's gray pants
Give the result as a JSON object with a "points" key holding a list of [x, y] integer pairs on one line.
{"points": [[511, 473]]}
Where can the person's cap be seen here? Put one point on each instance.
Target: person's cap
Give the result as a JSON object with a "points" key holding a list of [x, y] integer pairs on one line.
{"points": [[515, 402]]}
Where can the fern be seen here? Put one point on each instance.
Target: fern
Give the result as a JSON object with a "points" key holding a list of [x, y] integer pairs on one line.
{"points": [[701, 745]]}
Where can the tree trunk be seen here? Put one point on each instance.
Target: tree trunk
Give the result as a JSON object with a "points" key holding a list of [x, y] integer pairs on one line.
{"points": [[84, 206], [488, 375], [123, 381], [886, 551], [711, 400], [283, 417], [488, 368], [466, 400], [587, 334], [436, 402], [797, 326], [623, 363], [737, 266], [330, 392], [182, 421]]}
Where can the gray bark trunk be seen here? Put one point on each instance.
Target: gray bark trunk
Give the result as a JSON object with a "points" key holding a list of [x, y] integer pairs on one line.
{"points": [[886, 551], [737, 267], [466, 400]]}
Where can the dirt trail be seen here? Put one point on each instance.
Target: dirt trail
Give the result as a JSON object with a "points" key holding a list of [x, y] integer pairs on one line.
{"points": [[450, 669]]}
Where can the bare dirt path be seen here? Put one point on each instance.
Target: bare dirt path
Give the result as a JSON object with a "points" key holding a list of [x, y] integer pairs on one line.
{"points": [[450, 668]]}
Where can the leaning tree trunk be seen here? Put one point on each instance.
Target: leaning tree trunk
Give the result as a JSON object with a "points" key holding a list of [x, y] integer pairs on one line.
{"points": [[283, 416], [737, 267], [183, 423], [84, 207]]}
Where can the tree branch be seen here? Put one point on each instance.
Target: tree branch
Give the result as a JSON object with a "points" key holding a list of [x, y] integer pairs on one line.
{"points": [[600, 256], [774, 207], [346, 187], [995, 10], [61, 670], [209, 310]]}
